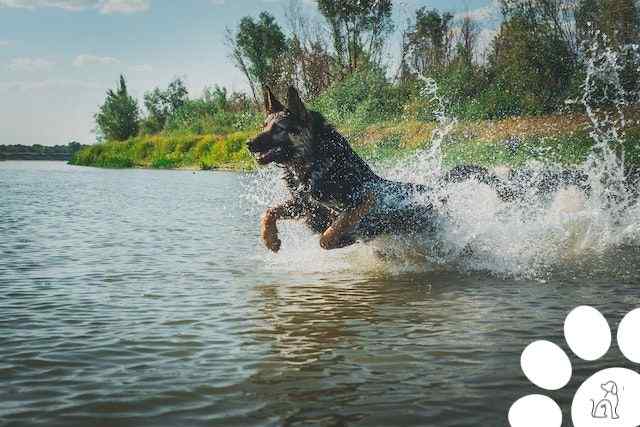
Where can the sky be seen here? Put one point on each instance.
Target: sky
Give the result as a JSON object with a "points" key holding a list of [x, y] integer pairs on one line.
{"points": [[58, 57]]}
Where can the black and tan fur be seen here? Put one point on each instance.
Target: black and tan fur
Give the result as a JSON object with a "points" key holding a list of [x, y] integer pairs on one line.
{"points": [[332, 189]]}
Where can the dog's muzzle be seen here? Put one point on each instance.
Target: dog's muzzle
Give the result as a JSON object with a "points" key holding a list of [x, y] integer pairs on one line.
{"points": [[263, 156]]}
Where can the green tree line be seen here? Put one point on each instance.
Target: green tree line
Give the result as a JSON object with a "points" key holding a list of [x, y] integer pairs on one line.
{"points": [[532, 65], [40, 152]]}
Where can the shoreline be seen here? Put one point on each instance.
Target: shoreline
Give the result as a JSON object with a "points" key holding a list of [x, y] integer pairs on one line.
{"points": [[66, 159], [182, 168], [556, 139], [178, 169]]}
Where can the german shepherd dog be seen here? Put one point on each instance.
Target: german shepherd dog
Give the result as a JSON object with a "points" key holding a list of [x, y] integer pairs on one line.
{"points": [[338, 195], [332, 189]]}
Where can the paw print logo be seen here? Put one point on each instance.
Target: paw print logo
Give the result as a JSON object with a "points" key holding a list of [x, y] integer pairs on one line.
{"points": [[608, 398]]}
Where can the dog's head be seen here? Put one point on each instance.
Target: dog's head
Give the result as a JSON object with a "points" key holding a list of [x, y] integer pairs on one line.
{"points": [[610, 387], [286, 133]]}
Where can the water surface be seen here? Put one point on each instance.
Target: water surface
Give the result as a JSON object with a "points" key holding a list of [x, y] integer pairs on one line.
{"points": [[139, 297]]}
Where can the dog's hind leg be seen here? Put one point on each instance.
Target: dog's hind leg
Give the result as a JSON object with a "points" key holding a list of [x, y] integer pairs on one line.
{"points": [[335, 236]]}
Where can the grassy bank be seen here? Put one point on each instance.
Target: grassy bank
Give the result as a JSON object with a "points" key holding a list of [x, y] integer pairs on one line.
{"points": [[170, 151], [559, 139]]}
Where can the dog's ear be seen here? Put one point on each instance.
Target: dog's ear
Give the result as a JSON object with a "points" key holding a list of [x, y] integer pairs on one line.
{"points": [[295, 105], [271, 104]]}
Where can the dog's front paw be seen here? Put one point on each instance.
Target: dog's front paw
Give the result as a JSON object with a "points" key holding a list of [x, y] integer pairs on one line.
{"points": [[272, 242], [270, 234], [329, 239]]}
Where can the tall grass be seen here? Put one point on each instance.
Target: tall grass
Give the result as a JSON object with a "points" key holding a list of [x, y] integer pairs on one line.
{"points": [[174, 150]]}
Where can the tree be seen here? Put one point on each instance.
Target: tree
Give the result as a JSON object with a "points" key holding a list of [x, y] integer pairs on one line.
{"points": [[587, 18], [467, 39], [118, 117], [556, 17], [256, 49], [309, 53], [618, 19], [358, 29], [462, 80], [161, 104], [217, 97], [428, 41], [618, 22], [531, 63], [313, 66]]}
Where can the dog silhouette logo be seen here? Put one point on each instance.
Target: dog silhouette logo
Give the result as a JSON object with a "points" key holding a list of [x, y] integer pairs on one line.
{"points": [[607, 407], [602, 400]]}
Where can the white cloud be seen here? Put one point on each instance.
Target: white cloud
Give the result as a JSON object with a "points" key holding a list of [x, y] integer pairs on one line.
{"points": [[30, 64], [4, 43], [223, 2], [124, 6], [84, 60], [62, 4], [488, 13], [488, 19], [141, 68], [104, 6]]}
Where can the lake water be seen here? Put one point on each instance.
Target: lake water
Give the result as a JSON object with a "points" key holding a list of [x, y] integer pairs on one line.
{"points": [[139, 297]]}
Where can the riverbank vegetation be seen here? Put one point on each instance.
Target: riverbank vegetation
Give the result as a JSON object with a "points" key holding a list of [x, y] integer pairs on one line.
{"points": [[509, 97]]}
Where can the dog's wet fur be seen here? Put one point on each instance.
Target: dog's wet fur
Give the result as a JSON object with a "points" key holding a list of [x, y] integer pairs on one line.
{"points": [[339, 196]]}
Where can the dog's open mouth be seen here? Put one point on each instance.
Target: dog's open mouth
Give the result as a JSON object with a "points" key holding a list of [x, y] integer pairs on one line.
{"points": [[268, 156]]}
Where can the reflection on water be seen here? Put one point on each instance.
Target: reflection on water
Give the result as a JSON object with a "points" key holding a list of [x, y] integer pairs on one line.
{"points": [[143, 298]]}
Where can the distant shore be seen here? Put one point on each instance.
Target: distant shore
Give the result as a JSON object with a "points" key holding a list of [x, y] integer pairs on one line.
{"points": [[562, 139], [40, 152], [28, 157]]}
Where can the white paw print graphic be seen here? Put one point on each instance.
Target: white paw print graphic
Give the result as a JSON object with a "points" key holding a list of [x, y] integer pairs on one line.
{"points": [[608, 398]]}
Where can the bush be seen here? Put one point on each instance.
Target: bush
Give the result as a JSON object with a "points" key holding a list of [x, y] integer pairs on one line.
{"points": [[163, 163], [492, 103], [462, 91], [229, 151], [108, 155], [363, 98], [202, 117]]}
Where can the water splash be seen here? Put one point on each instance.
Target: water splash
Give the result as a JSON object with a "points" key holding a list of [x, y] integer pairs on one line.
{"points": [[604, 100], [430, 160], [538, 236]]}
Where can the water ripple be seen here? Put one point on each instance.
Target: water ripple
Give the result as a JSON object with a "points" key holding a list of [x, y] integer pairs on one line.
{"points": [[138, 297]]}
